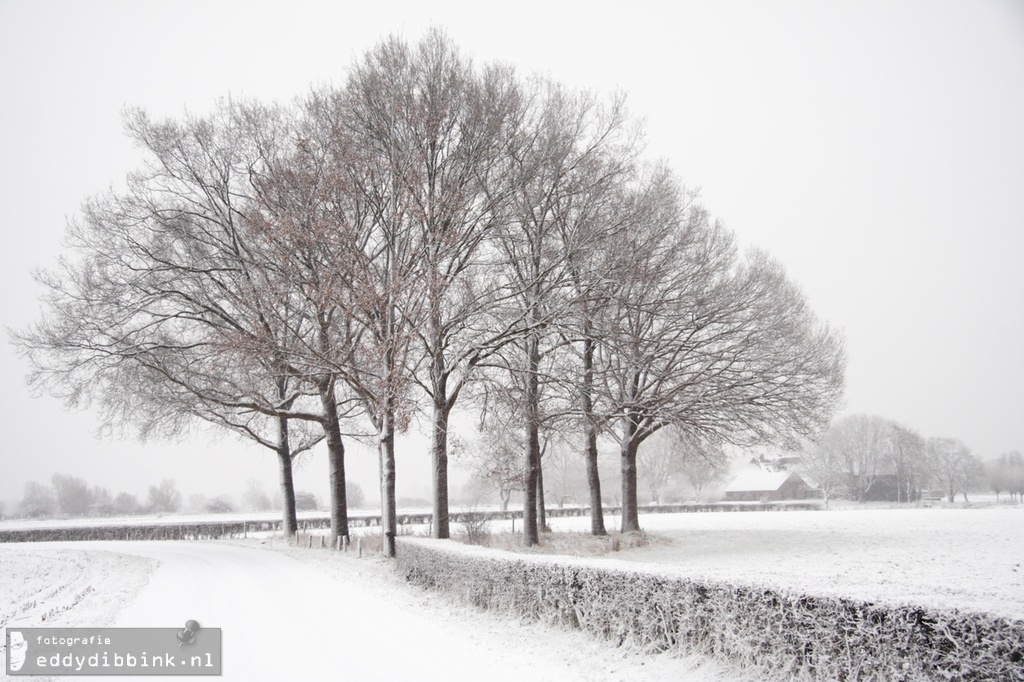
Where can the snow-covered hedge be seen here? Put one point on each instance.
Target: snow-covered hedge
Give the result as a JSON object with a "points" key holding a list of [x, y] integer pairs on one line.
{"points": [[781, 635], [191, 528], [163, 530]]}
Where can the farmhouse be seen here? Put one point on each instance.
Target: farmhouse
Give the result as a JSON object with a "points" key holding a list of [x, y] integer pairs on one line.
{"points": [[758, 482]]}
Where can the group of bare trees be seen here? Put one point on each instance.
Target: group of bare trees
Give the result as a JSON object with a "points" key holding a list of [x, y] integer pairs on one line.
{"points": [[867, 456], [70, 496], [429, 230], [1006, 475], [669, 463]]}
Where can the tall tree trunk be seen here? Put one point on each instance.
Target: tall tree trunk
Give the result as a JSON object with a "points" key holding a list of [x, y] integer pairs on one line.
{"points": [[597, 526], [389, 510], [542, 516], [590, 435], [335, 462], [627, 454], [441, 409], [289, 523], [439, 457], [531, 465]]}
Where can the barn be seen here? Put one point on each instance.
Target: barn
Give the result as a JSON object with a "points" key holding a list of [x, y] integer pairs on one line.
{"points": [[756, 484]]}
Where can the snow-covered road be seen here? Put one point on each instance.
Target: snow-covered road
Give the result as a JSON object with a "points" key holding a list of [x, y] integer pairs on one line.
{"points": [[317, 615]]}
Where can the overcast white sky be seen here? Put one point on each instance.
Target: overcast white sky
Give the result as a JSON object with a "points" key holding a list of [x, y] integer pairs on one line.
{"points": [[875, 148]]}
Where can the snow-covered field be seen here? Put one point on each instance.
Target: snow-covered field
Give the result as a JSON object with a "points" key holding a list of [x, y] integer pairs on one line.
{"points": [[290, 613], [970, 559]]}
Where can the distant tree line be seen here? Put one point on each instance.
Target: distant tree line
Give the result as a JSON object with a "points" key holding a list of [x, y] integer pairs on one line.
{"points": [[70, 496], [868, 457], [431, 234]]}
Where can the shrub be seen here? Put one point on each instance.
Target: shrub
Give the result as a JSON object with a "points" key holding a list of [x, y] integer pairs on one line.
{"points": [[476, 529], [219, 505], [305, 501]]}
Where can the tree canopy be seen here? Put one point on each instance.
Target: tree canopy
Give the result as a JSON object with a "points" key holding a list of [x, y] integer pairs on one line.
{"points": [[379, 247]]}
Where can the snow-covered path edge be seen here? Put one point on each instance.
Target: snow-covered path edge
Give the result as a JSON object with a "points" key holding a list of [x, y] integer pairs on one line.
{"points": [[304, 614]]}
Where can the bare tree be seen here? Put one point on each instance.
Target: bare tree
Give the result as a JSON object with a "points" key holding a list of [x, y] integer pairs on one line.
{"points": [[255, 498], [725, 349], [310, 229], [953, 466], [165, 498], [127, 504], [37, 501], [823, 464], [497, 462], [73, 495], [354, 493], [380, 294], [590, 221], [1006, 474], [701, 463], [173, 309], [657, 463], [102, 502], [564, 137], [564, 477], [907, 459], [670, 455], [438, 131], [859, 448]]}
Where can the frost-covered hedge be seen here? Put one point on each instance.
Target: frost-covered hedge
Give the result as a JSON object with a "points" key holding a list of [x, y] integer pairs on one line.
{"points": [[138, 531], [142, 529], [779, 635]]}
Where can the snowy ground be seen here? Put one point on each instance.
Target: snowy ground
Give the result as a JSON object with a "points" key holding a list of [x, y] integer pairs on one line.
{"points": [[970, 559], [294, 614], [290, 613]]}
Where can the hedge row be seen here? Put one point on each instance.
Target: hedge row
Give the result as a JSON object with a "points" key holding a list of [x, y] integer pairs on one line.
{"points": [[769, 632], [140, 531], [143, 530]]}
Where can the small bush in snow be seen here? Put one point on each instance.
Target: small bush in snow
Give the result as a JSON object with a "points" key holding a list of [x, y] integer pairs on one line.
{"points": [[476, 530]]}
